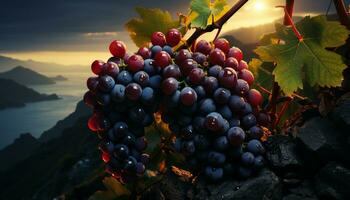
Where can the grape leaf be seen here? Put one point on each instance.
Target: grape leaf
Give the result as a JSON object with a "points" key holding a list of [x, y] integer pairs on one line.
{"points": [[306, 60], [202, 10], [262, 73], [149, 21]]}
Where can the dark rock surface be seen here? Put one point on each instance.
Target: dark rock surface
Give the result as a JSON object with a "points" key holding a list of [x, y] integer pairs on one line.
{"points": [[341, 114], [333, 182]]}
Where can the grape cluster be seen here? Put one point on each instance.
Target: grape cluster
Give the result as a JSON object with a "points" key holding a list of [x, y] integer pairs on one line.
{"points": [[204, 96]]}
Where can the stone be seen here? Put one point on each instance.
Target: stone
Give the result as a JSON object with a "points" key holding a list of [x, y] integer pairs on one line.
{"points": [[341, 113], [266, 185], [281, 154], [304, 190], [319, 141], [333, 182]]}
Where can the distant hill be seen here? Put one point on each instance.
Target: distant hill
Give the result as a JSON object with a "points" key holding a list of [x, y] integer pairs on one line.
{"points": [[59, 78], [26, 76], [16, 95], [6, 63], [56, 131], [19, 150]]}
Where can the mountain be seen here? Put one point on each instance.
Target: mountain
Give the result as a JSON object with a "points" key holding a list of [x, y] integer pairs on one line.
{"points": [[16, 95], [26, 76], [59, 78], [19, 150], [56, 131], [6, 63], [56, 167]]}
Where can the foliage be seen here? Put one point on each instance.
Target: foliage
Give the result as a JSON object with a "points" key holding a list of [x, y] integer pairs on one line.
{"points": [[306, 60], [115, 190], [149, 21], [203, 12]]}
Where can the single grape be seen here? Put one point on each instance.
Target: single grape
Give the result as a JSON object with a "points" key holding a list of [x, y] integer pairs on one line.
{"points": [[222, 44], [214, 174], [187, 66], [169, 50], [221, 95], [162, 59], [236, 103], [141, 78], [196, 76], [235, 52], [156, 49], [214, 122], [130, 164], [133, 91], [188, 96], [263, 119], [135, 63], [117, 48], [173, 37], [105, 157], [216, 159], [155, 82], [247, 76], [149, 68], [255, 147], [158, 38], [248, 159], [242, 87], [147, 96], [236, 136], [90, 99], [225, 111], [106, 83], [92, 83], [228, 78], [129, 140], [254, 97], [207, 106], [93, 123], [144, 52], [232, 63], [221, 143], [200, 92], [248, 121], [210, 84], [214, 70], [187, 132], [259, 163], [242, 65], [203, 47], [247, 109], [182, 55], [98, 67], [137, 114], [124, 77], [120, 129], [217, 57], [172, 71], [169, 86], [118, 93], [121, 151], [234, 122]]}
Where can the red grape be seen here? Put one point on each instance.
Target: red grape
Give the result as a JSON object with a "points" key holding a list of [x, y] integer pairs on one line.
{"points": [[93, 123], [242, 65], [246, 75], [105, 157], [172, 71], [144, 52], [254, 97], [92, 83], [182, 55], [235, 53], [232, 63], [203, 47], [196, 76], [222, 44], [133, 91], [217, 57], [98, 67], [169, 86], [117, 48], [187, 66], [228, 78], [162, 59], [90, 99], [188, 96], [242, 87], [173, 37], [158, 38], [112, 69], [135, 63]]}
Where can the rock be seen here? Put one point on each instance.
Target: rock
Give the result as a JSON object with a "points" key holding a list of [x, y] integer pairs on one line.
{"points": [[281, 154], [296, 197], [341, 114], [265, 185], [319, 141], [333, 182], [302, 191]]}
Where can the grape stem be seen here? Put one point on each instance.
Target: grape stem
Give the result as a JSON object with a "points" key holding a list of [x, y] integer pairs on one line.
{"points": [[289, 21], [216, 25]]}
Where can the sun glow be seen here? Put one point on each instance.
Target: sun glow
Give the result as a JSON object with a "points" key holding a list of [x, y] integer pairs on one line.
{"points": [[259, 6]]}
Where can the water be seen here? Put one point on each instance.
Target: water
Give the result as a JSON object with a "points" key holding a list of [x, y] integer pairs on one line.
{"points": [[37, 117]]}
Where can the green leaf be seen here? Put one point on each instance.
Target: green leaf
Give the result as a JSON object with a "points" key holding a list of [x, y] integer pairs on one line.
{"points": [[262, 73], [149, 21], [307, 60], [203, 10]]}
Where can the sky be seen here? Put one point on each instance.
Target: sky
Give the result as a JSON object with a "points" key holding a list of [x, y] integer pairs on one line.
{"points": [[79, 31]]}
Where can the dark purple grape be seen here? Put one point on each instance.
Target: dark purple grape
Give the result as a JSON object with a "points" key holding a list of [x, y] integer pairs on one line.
{"points": [[255, 132], [236, 136], [187, 66], [214, 70], [141, 143], [228, 78], [210, 84], [247, 159], [106, 83], [169, 86], [221, 95], [133, 91], [214, 174], [196, 76], [217, 57], [203, 47], [242, 87], [207, 106], [248, 121], [216, 159], [171, 71], [121, 151], [182, 55], [200, 59], [188, 96], [232, 63], [236, 103], [255, 147], [141, 78]]}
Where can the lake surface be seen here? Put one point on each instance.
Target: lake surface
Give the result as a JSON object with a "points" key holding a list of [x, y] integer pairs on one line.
{"points": [[37, 117]]}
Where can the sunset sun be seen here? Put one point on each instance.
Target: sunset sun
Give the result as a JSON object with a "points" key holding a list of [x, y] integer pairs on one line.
{"points": [[259, 6]]}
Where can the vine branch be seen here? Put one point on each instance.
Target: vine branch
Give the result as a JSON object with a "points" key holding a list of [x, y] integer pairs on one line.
{"points": [[342, 13], [216, 25]]}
